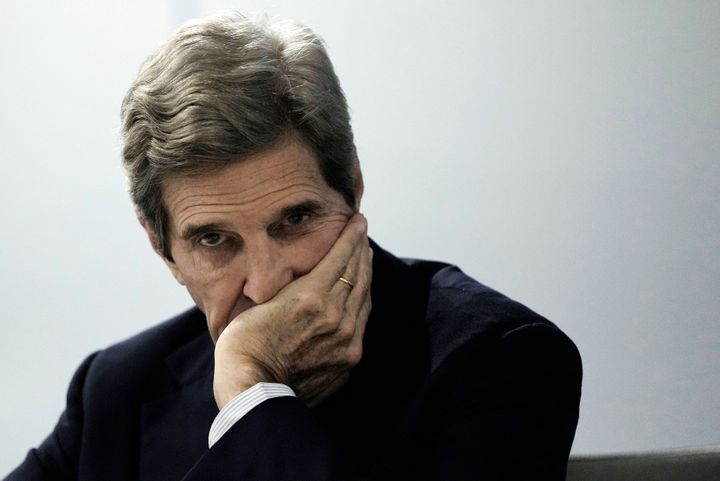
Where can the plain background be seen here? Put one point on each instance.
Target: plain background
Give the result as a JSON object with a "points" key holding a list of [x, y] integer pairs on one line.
{"points": [[564, 152]]}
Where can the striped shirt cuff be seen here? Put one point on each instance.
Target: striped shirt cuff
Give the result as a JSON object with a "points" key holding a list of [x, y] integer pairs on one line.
{"points": [[241, 404]]}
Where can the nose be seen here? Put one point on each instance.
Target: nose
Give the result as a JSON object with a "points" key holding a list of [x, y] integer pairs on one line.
{"points": [[267, 272]]}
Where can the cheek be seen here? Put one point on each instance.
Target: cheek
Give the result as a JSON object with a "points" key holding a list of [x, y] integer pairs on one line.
{"points": [[215, 290], [201, 279]]}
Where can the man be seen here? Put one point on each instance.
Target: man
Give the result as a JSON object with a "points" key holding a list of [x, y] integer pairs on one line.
{"points": [[327, 358]]}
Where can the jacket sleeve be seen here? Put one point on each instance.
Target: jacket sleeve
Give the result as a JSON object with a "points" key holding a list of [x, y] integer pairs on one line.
{"points": [[504, 410], [278, 440], [56, 458]]}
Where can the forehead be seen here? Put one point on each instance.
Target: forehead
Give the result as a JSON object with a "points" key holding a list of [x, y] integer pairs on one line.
{"points": [[261, 182]]}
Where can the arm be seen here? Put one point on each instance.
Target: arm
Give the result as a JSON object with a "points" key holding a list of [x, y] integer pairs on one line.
{"points": [[56, 458], [499, 410], [313, 356], [511, 411], [278, 440], [309, 335], [506, 407]]}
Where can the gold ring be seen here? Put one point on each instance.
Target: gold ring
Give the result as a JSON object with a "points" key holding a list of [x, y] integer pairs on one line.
{"points": [[342, 279]]}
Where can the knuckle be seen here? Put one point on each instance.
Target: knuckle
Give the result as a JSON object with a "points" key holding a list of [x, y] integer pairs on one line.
{"points": [[309, 302], [330, 321], [346, 330], [354, 353]]}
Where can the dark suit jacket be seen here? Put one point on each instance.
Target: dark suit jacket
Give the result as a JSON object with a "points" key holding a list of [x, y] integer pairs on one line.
{"points": [[457, 382]]}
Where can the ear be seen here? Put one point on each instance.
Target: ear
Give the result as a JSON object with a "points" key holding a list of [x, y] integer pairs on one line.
{"points": [[152, 237]]}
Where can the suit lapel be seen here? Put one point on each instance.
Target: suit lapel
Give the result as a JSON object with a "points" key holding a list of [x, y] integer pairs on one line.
{"points": [[174, 426]]}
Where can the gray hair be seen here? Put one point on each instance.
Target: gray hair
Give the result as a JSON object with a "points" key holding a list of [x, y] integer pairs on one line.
{"points": [[223, 88]]}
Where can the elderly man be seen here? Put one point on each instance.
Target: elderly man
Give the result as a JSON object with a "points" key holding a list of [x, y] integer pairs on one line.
{"points": [[327, 357]]}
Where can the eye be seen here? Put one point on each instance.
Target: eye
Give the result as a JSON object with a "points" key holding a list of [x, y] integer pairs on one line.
{"points": [[212, 239], [297, 218]]}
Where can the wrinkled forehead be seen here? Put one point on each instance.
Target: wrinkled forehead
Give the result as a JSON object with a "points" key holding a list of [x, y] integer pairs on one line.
{"points": [[249, 186]]}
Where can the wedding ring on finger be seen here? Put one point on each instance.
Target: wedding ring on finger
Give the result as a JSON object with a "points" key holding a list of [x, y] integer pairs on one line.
{"points": [[342, 279]]}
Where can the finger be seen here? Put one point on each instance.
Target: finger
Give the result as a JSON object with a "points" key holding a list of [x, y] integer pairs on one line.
{"points": [[363, 317], [346, 283], [334, 264], [334, 299], [354, 349], [363, 279]]}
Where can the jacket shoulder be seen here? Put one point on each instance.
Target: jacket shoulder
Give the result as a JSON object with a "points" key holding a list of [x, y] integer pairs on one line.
{"points": [[160, 339], [462, 312], [136, 365]]}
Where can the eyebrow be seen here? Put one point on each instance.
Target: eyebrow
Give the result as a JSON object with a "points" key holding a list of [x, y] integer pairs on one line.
{"points": [[303, 207]]}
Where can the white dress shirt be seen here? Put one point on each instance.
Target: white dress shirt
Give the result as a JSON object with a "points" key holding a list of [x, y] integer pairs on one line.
{"points": [[241, 404]]}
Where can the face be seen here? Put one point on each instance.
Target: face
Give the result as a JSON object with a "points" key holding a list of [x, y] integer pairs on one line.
{"points": [[239, 235]]}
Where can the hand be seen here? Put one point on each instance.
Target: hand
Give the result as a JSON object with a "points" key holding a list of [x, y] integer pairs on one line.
{"points": [[310, 334]]}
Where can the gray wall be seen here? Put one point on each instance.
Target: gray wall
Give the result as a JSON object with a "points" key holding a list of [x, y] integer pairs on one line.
{"points": [[564, 152]]}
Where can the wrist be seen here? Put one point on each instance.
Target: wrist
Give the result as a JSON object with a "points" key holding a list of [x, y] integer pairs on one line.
{"points": [[233, 378]]}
